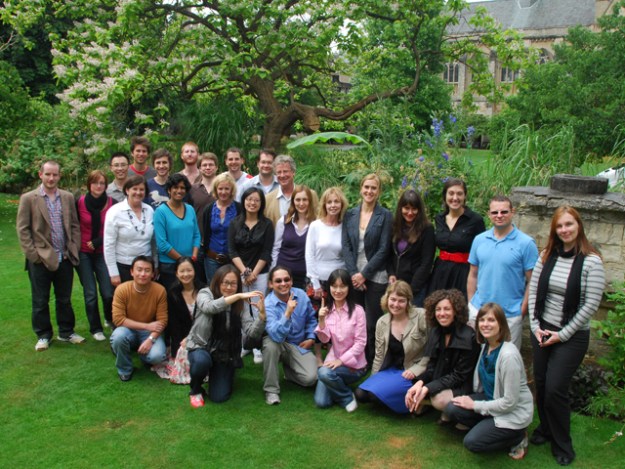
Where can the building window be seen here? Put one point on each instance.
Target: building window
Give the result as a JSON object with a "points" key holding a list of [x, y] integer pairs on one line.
{"points": [[451, 73], [508, 75]]}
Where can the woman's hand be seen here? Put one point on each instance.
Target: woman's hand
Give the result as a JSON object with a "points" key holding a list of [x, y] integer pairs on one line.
{"points": [[464, 402], [323, 310], [334, 364], [415, 395], [409, 375], [392, 279], [116, 280], [547, 338], [358, 280]]}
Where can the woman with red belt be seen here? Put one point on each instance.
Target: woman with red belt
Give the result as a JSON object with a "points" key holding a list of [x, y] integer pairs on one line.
{"points": [[456, 227]]}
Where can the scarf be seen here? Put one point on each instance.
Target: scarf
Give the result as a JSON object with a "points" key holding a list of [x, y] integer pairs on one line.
{"points": [[572, 295], [94, 206]]}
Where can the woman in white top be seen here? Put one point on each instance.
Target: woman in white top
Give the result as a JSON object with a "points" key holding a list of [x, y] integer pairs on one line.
{"points": [[128, 231], [324, 248]]}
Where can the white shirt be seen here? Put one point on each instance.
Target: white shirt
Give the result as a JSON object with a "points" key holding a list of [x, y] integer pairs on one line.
{"points": [[126, 238], [324, 251]]}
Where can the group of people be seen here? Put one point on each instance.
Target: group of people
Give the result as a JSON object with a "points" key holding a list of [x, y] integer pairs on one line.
{"points": [[260, 264]]}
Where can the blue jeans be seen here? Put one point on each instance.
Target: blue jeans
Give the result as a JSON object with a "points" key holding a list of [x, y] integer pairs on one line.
{"points": [[124, 341], [210, 267], [333, 385], [484, 435], [41, 280], [221, 376], [91, 268]]}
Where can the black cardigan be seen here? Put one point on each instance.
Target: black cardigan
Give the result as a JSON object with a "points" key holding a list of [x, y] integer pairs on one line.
{"points": [[415, 263]]}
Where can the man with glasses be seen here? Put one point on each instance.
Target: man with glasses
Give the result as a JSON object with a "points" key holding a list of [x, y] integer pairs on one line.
{"points": [[290, 335], [119, 167], [502, 260]]}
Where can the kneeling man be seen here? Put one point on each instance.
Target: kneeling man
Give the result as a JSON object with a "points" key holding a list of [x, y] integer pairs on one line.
{"points": [[140, 317], [290, 335]]}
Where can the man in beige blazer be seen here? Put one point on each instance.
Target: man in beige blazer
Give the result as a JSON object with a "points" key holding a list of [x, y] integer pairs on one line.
{"points": [[49, 234]]}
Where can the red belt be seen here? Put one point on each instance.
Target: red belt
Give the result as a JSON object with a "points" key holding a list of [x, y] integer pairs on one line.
{"points": [[458, 257]]}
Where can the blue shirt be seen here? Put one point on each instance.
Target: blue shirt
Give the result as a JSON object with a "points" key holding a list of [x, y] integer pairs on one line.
{"points": [[219, 228], [486, 370], [502, 264], [299, 327], [181, 234], [156, 195]]}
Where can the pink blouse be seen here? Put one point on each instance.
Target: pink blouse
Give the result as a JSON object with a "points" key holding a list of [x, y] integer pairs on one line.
{"points": [[348, 336]]}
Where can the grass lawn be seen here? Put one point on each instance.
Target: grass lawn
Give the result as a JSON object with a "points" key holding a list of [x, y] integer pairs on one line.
{"points": [[66, 408]]}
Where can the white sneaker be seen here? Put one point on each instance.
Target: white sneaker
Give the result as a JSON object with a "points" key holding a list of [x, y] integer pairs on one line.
{"points": [[352, 406], [99, 336], [72, 339], [271, 398], [258, 356], [42, 344]]}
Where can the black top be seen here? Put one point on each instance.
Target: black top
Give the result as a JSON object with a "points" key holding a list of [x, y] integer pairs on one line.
{"points": [[450, 367], [179, 320], [414, 264], [468, 226], [394, 355], [251, 245]]}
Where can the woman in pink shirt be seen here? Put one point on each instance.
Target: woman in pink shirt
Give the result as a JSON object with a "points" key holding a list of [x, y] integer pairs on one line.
{"points": [[342, 322]]}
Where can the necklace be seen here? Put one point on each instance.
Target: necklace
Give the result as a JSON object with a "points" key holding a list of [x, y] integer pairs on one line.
{"points": [[142, 221], [137, 290]]}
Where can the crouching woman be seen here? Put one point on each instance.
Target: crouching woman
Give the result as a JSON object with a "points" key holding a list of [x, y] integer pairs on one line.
{"points": [[501, 407]]}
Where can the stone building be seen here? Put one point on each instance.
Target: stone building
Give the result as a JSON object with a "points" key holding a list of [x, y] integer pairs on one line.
{"points": [[543, 23]]}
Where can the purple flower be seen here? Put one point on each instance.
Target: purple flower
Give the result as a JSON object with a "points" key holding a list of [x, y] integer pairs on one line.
{"points": [[404, 182], [444, 180], [437, 126], [452, 118], [422, 158], [470, 131], [445, 155]]}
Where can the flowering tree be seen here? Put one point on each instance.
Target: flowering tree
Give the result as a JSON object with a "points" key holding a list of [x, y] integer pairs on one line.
{"points": [[137, 56]]}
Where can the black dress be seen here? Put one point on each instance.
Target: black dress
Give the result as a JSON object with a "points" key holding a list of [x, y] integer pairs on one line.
{"points": [[449, 274]]}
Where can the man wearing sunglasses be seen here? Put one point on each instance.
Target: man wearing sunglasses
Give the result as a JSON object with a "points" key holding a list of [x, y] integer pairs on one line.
{"points": [[290, 335], [502, 260]]}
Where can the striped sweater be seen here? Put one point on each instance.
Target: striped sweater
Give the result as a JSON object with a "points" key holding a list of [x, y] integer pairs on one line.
{"points": [[593, 283]]}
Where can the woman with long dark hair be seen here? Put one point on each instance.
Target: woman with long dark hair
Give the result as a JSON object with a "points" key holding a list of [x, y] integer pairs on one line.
{"points": [[92, 209], [456, 227], [565, 291], [413, 247], [214, 342], [289, 246], [342, 323]]}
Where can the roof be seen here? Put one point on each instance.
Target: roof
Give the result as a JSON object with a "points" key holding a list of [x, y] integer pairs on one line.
{"points": [[532, 14]]}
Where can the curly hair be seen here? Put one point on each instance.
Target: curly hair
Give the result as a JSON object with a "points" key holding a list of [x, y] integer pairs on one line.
{"points": [[458, 303]]}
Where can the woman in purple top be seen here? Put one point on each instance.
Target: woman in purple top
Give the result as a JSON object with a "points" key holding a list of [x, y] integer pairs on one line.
{"points": [[92, 209], [289, 247]]}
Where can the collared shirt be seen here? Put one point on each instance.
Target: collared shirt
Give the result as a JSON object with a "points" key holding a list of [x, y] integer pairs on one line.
{"points": [[55, 211], [115, 192], [255, 182], [299, 327], [284, 202], [502, 264], [347, 334]]}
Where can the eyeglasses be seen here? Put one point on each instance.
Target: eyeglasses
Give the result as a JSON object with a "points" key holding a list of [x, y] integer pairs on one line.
{"points": [[229, 284], [499, 212], [282, 280]]}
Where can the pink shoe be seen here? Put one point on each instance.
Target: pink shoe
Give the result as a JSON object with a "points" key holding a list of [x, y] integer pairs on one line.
{"points": [[197, 400]]}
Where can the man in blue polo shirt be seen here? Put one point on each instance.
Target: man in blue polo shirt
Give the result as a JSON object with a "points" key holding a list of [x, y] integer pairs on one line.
{"points": [[502, 260], [290, 335]]}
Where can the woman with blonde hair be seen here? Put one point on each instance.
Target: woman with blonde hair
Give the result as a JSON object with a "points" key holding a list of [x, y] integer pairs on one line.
{"points": [[289, 245], [324, 250], [565, 291], [400, 340]]}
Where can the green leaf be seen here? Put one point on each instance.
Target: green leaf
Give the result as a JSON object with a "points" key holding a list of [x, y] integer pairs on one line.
{"points": [[324, 137]]}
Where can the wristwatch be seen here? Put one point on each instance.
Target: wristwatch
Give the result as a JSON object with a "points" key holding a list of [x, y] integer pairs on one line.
{"points": [[152, 339]]}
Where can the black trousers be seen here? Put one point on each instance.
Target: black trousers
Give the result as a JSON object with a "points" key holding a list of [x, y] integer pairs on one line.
{"points": [[369, 299], [554, 367]]}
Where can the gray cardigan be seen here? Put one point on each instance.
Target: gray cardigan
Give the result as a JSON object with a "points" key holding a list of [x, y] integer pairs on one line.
{"points": [[512, 405]]}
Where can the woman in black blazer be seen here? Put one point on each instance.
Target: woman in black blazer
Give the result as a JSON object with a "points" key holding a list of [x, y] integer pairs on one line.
{"points": [[366, 237]]}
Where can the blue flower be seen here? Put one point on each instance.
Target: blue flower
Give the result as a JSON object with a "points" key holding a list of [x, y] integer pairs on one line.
{"points": [[451, 141], [445, 155], [404, 182], [437, 126], [452, 118], [429, 143], [444, 180], [422, 158], [470, 131]]}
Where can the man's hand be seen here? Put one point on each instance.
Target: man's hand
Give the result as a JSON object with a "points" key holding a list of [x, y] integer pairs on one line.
{"points": [[155, 326], [145, 346], [290, 306], [307, 344]]}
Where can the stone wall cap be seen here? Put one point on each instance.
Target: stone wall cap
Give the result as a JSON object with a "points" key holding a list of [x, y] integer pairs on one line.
{"points": [[579, 184]]}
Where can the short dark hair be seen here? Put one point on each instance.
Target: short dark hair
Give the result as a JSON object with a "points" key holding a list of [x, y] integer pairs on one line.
{"points": [[249, 191], [276, 268], [234, 150], [267, 151], [215, 286], [134, 181], [143, 141], [175, 179], [119, 154], [147, 259], [458, 303], [161, 153], [500, 198]]}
